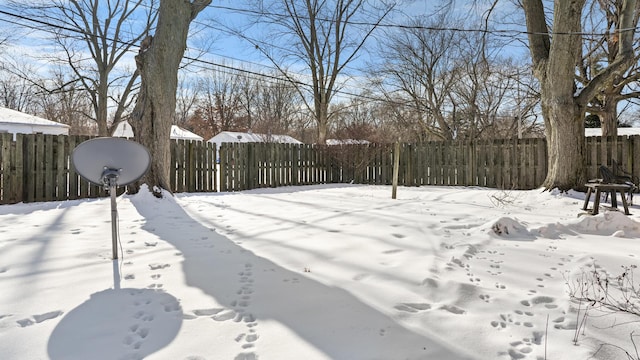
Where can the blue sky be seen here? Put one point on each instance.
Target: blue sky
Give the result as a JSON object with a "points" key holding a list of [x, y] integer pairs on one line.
{"points": [[217, 47]]}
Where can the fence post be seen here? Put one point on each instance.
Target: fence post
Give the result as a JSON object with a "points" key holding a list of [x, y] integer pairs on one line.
{"points": [[396, 165]]}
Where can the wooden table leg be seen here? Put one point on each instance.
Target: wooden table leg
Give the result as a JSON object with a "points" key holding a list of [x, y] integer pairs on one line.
{"points": [[614, 199], [586, 199], [596, 203], [624, 203]]}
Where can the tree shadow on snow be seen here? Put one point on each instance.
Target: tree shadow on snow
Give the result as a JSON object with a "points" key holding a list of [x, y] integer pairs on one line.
{"points": [[252, 289]]}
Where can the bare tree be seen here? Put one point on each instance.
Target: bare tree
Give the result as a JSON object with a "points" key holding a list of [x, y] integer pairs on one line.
{"points": [[16, 92], [277, 110], [554, 58], [68, 105], [22, 89], [158, 64], [186, 100], [221, 99], [324, 36], [95, 36], [604, 18], [419, 64]]}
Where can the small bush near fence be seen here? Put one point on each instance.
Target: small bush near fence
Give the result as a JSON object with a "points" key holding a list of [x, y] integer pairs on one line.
{"points": [[38, 167]]}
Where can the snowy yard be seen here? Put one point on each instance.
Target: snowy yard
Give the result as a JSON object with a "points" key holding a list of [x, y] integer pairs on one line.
{"points": [[316, 272]]}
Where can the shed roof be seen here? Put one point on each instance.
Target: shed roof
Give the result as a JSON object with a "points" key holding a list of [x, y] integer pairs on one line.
{"points": [[124, 130], [621, 131], [246, 137], [10, 116]]}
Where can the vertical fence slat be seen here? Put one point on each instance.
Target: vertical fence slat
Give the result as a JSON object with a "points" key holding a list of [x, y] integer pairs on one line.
{"points": [[5, 168]]}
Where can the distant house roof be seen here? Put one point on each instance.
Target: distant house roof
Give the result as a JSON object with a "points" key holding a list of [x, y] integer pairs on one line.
{"points": [[177, 133], [346, 142], [13, 121], [622, 131], [247, 137]]}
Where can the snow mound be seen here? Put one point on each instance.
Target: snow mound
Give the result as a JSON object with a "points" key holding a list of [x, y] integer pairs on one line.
{"points": [[508, 228], [608, 223], [554, 231]]}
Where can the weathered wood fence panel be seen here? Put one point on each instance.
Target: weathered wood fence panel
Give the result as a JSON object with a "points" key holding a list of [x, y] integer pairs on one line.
{"points": [[47, 170], [193, 166], [500, 163], [38, 167]]}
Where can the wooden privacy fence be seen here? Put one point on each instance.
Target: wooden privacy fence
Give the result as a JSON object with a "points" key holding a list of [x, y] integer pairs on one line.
{"points": [[193, 166], [38, 168], [601, 150], [502, 163], [511, 164]]}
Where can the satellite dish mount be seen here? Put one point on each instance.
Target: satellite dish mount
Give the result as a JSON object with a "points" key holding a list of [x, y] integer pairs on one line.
{"points": [[111, 162]]}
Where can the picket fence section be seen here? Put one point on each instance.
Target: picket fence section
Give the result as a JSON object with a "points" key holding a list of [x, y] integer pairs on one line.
{"points": [[38, 167]]}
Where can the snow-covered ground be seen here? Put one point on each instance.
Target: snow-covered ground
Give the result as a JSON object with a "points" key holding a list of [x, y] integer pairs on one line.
{"points": [[318, 272]]}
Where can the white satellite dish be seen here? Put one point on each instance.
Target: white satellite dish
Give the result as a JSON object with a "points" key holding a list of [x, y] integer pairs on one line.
{"points": [[111, 162]]}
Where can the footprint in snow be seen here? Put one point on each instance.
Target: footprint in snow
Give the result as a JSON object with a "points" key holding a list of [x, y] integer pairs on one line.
{"points": [[202, 313], [156, 266], [36, 319], [394, 251], [453, 309], [412, 307], [246, 356]]}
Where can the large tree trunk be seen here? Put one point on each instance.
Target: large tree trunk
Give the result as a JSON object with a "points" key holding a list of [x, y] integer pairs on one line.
{"points": [[565, 146], [158, 66], [609, 118], [565, 139], [554, 62]]}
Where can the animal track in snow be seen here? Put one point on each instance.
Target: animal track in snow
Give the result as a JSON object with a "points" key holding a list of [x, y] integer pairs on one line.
{"points": [[521, 349], [547, 301], [156, 266], [509, 319], [412, 307]]}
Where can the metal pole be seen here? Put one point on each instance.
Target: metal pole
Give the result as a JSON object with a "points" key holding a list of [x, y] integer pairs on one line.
{"points": [[114, 221]]}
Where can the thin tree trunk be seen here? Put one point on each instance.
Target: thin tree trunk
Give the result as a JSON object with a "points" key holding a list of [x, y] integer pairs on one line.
{"points": [[322, 120]]}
